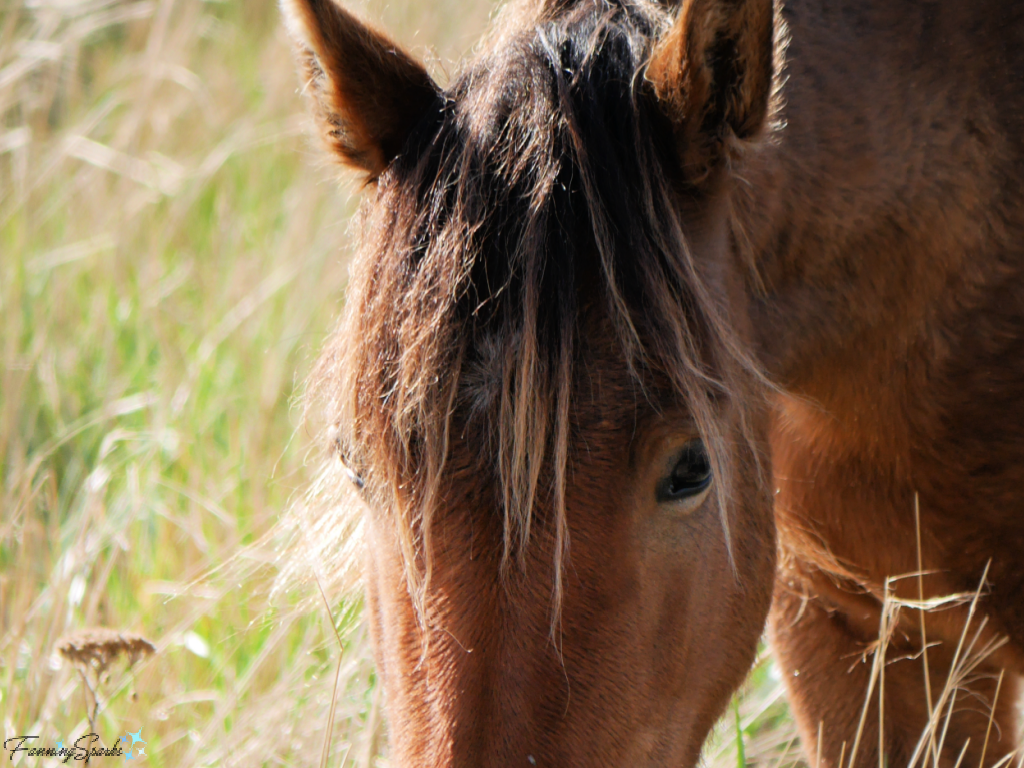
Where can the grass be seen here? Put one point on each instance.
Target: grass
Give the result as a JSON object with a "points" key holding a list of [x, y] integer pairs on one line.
{"points": [[171, 257]]}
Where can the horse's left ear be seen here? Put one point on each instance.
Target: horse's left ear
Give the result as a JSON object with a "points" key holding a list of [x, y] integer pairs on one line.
{"points": [[368, 93], [712, 75]]}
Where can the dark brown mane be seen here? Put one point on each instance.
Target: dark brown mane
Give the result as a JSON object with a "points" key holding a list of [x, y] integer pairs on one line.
{"points": [[539, 183]]}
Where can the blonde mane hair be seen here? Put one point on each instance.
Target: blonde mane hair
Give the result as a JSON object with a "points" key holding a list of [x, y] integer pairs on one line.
{"points": [[545, 170]]}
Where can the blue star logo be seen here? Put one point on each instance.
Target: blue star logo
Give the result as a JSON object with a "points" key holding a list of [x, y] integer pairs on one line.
{"points": [[60, 745], [136, 738]]}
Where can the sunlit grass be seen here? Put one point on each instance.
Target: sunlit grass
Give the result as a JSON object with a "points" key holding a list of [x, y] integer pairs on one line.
{"points": [[171, 258]]}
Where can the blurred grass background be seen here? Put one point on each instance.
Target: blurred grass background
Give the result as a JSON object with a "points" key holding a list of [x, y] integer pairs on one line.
{"points": [[172, 254]]}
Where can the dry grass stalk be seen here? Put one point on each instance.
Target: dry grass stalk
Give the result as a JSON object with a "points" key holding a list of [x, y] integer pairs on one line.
{"points": [[991, 718], [968, 660], [93, 651], [973, 652]]}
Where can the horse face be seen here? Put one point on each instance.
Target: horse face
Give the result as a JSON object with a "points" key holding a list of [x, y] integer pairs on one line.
{"points": [[659, 618], [569, 549]]}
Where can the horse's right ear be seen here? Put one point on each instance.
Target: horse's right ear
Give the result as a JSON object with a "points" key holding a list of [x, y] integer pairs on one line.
{"points": [[712, 75], [367, 93]]}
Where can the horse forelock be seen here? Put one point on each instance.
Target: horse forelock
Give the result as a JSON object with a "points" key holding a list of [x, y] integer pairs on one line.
{"points": [[541, 179]]}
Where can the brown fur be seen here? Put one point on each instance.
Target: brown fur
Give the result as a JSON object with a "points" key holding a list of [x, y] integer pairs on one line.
{"points": [[793, 231], [367, 93], [712, 73]]}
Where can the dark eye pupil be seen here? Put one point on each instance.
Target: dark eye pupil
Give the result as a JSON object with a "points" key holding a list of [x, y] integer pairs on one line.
{"points": [[690, 476], [354, 477]]}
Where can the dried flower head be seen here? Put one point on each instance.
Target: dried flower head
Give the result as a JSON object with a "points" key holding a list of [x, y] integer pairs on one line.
{"points": [[99, 647], [92, 651]]}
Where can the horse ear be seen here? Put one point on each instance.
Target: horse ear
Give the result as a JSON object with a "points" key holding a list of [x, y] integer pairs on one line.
{"points": [[712, 75], [367, 93]]}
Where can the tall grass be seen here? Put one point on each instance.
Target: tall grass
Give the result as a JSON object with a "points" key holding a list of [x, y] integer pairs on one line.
{"points": [[171, 257]]}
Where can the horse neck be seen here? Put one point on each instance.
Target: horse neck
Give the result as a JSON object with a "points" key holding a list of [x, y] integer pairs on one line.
{"points": [[870, 211]]}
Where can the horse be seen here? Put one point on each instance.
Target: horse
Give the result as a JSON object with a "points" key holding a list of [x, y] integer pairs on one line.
{"points": [[670, 321]]}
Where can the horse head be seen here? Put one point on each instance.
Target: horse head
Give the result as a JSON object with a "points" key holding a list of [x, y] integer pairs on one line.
{"points": [[542, 384]]}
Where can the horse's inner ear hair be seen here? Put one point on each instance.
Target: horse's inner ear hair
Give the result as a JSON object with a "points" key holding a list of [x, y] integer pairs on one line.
{"points": [[367, 93], [711, 74]]}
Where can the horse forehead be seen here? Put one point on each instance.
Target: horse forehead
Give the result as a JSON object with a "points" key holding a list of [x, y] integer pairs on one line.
{"points": [[606, 395], [502, 82], [515, 67]]}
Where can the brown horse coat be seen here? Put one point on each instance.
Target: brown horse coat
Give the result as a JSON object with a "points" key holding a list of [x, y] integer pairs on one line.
{"points": [[785, 238]]}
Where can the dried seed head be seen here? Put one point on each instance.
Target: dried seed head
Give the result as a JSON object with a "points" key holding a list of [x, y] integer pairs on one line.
{"points": [[99, 647]]}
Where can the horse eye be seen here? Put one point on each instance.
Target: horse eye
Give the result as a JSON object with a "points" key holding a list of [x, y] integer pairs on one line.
{"points": [[354, 477], [690, 476]]}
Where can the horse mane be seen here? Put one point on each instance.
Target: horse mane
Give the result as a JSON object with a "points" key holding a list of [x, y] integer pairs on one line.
{"points": [[543, 176]]}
